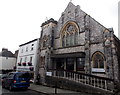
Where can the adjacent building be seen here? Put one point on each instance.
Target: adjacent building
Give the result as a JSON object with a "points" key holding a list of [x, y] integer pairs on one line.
{"points": [[77, 42], [7, 61], [28, 59]]}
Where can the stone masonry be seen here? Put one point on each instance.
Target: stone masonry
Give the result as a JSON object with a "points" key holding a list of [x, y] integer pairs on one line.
{"points": [[92, 38]]}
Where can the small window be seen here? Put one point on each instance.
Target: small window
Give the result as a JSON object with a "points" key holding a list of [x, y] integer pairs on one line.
{"points": [[22, 51], [30, 59], [25, 59], [21, 60], [26, 49], [32, 47]]}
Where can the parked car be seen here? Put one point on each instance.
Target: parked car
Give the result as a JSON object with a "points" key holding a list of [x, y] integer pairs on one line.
{"points": [[2, 76], [16, 80]]}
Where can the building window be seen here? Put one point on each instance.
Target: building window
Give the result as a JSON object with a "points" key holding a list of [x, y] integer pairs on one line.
{"points": [[60, 63], [31, 59], [31, 48], [76, 38], [69, 34], [98, 62], [25, 59], [26, 49], [68, 40], [20, 60], [70, 64], [80, 63], [63, 41], [72, 40], [22, 50], [32, 44]]}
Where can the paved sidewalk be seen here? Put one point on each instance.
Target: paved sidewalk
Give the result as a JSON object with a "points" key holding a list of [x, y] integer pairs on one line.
{"points": [[50, 90]]}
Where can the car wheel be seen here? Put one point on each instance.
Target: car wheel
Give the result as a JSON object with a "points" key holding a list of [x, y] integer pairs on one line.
{"points": [[10, 88], [25, 88]]}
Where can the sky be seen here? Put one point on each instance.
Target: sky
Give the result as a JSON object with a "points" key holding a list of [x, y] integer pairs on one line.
{"points": [[20, 20]]}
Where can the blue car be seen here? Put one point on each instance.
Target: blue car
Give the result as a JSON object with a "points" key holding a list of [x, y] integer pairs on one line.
{"points": [[16, 80]]}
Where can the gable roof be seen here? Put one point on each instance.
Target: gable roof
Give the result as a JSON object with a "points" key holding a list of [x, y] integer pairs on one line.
{"points": [[69, 6], [28, 42], [6, 53]]}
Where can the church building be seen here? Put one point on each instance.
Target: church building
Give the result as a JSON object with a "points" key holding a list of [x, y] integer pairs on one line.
{"points": [[78, 43]]}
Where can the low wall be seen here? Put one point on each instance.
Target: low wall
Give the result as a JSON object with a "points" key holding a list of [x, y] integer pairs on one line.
{"points": [[71, 85]]}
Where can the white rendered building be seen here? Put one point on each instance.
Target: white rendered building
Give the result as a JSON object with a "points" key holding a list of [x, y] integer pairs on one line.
{"points": [[7, 60], [28, 56]]}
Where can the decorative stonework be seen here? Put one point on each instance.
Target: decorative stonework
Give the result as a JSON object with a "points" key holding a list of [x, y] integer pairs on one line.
{"points": [[69, 28], [76, 32], [107, 43]]}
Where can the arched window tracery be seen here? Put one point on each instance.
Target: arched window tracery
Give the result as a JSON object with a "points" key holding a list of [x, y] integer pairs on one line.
{"points": [[69, 34], [98, 60]]}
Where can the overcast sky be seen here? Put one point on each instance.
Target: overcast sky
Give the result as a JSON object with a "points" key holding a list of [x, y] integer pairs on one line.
{"points": [[20, 20]]}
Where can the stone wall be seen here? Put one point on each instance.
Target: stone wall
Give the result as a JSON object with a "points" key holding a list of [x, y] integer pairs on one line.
{"points": [[93, 37], [71, 85], [71, 13]]}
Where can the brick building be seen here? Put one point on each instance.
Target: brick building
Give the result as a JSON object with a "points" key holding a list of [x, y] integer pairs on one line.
{"points": [[77, 42]]}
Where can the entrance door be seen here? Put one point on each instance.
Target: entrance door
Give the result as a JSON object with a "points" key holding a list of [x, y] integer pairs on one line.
{"points": [[60, 64], [70, 64]]}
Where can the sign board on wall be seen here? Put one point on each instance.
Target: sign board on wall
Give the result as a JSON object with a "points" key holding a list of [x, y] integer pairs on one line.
{"points": [[98, 70], [49, 73]]}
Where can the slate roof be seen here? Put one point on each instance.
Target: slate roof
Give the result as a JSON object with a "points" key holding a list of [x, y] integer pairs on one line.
{"points": [[28, 42], [6, 53]]}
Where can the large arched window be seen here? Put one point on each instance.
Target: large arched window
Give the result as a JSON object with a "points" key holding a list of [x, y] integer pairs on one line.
{"points": [[98, 61], [69, 34]]}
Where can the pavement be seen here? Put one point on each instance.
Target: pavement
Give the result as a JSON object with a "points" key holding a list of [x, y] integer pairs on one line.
{"points": [[50, 90]]}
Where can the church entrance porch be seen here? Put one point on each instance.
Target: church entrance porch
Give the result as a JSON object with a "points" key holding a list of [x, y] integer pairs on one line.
{"points": [[69, 62]]}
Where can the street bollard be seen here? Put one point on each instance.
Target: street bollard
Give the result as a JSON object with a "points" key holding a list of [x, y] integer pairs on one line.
{"points": [[55, 88]]}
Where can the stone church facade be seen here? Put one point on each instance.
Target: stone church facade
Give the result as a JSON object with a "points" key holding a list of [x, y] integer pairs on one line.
{"points": [[77, 42]]}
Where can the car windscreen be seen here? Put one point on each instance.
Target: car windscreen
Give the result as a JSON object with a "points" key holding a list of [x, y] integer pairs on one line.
{"points": [[23, 75]]}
